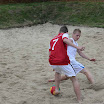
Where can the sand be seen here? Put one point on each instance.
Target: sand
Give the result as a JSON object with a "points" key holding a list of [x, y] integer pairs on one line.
{"points": [[24, 67]]}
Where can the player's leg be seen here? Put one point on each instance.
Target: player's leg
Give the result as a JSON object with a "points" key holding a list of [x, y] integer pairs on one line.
{"points": [[76, 87], [88, 75], [65, 70], [78, 67], [57, 82], [70, 73], [62, 78]]}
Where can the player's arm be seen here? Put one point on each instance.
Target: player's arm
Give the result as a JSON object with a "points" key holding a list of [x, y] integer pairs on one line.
{"points": [[69, 42], [84, 56]]}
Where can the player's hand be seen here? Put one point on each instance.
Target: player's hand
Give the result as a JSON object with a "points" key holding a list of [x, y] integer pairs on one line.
{"points": [[92, 59], [81, 48]]}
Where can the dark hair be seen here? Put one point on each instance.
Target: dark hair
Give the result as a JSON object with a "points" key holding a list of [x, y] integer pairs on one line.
{"points": [[76, 30], [63, 29]]}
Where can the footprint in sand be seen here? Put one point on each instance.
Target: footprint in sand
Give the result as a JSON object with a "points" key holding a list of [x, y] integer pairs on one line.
{"points": [[97, 87]]}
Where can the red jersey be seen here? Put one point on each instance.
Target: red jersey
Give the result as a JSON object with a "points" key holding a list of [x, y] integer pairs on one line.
{"points": [[58, 51]]}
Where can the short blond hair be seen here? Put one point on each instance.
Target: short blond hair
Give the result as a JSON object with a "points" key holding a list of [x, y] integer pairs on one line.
{"points": [[76, 30]]}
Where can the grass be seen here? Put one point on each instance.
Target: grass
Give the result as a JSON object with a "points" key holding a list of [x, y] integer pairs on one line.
{"points": [[71, 13]]}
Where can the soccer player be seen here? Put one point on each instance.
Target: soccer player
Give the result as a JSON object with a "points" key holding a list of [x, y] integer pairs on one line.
{"points": [[59, 60], [71, 51]]}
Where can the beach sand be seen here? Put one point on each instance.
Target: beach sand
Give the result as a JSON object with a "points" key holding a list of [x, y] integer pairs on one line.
{"points": [[25, 70]]}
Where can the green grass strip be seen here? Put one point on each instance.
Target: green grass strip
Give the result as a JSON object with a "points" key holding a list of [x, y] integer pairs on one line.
{"points": [[70, 13]]}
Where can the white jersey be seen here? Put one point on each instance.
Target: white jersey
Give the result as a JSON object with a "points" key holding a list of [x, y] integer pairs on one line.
{"points": [[74, 66], [71, 51]]}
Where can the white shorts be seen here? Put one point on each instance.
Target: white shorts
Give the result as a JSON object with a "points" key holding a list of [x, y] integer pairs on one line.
{"points": [[64, 69], [77, 67]]}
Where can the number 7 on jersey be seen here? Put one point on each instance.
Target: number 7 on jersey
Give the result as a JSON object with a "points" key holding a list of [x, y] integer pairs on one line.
{"points": [[55, 41]]}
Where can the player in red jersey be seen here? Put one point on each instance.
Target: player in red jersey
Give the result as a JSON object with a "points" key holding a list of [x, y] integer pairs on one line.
{"points": [[60, 62]]}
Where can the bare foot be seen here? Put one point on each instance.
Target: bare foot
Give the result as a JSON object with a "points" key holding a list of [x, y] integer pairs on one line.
{"points": [[57, 92], [92, 82], [51, 80], [81, 100]]}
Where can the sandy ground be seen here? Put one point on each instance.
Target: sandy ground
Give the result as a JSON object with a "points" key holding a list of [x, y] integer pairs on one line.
{"points": [[24, 67]]}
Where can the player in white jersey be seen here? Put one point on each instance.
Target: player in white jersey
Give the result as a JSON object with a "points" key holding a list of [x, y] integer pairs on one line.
{"points": [[71, 51]]}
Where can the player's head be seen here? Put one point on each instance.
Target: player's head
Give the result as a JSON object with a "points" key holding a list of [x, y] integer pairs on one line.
{"points": [[63, 29], [76, 34]]}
